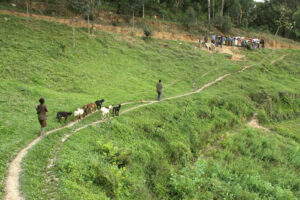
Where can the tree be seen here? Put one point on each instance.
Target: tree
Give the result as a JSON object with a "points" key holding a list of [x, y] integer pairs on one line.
{"points": [[222, 8], [134, 4], [296, 22], [77, 7], [218, 20], [213, 10], [92, 11], [235, 10], [283, 21], [119, 7], [208, 7], [246, 7], [226, 27], [189, 17], [27, 2]]}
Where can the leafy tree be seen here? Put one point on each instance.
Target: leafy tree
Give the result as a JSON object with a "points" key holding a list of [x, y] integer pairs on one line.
{"points": [[296, 18], [218, 20], [133, 5], [92, 11], [227, 25], [222, 8], [235, 10], [189, 18], [77, 7], [246, 7], [283, 20], [208, 7]]}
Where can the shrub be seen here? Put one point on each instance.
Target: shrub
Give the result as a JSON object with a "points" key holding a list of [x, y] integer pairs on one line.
{"points": [[114, 155], [227, 25], [189, 18], [179, 153], [262, 117], [110, 178], [218, 20], [147, 32]]}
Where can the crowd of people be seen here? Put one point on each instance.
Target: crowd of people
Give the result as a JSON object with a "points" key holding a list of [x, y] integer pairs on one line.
{"points": [[237, 41]]}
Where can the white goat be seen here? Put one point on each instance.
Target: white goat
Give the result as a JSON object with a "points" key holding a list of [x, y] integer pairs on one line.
{"points": [[78, 113], [105, 111]]}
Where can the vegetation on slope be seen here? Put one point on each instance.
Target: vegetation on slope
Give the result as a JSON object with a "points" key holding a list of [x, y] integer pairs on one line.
{"points": [[279, 17], [195, 147], [37, 59]]}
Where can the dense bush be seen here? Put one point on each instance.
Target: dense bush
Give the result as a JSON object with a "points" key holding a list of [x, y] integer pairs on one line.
{"points": [[147, 32], [227, 25], [189, 18]]}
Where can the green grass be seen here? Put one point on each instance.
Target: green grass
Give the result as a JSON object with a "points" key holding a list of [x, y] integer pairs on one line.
{"points": [[34, 64], [156, 152], [195, 147]]}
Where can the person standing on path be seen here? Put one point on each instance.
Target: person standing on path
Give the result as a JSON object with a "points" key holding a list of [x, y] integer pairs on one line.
{"points": [[42, 117], [159, 89], [262, 42]]}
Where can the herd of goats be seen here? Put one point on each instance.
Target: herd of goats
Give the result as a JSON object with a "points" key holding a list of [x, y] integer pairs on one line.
{"points": [[89, 108]]}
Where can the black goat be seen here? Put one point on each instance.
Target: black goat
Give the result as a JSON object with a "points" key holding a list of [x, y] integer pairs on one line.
{"points": [[63, 115], [116, 110], [99, 103]]}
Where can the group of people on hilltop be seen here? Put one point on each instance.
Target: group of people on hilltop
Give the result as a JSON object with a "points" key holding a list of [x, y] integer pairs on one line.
{"points": [[42, 110], [237, 41]]}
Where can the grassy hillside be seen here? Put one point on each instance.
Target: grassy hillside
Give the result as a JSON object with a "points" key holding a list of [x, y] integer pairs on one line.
{"points": [[195, 147], [38, 60]]}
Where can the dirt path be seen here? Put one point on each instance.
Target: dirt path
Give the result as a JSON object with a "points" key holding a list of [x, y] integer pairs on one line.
{"points": [[255, 124], [228, 50], [281, 58]]}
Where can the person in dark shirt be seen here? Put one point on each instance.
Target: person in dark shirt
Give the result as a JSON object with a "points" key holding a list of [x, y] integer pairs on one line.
{"points": [[42, 117], [262, 42], [159, 89]]}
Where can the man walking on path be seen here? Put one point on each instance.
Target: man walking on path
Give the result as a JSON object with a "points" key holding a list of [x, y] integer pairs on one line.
{"points": [[41, 112], [159, 89]]}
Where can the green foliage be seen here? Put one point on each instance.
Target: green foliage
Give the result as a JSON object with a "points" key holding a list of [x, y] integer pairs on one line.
{"points": [[296, 18], [114, 155], [147, 32], [227, 26], [274, 16], [241, 166], [78, 6], [189, 18], [219, 20], [223, 23]]}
